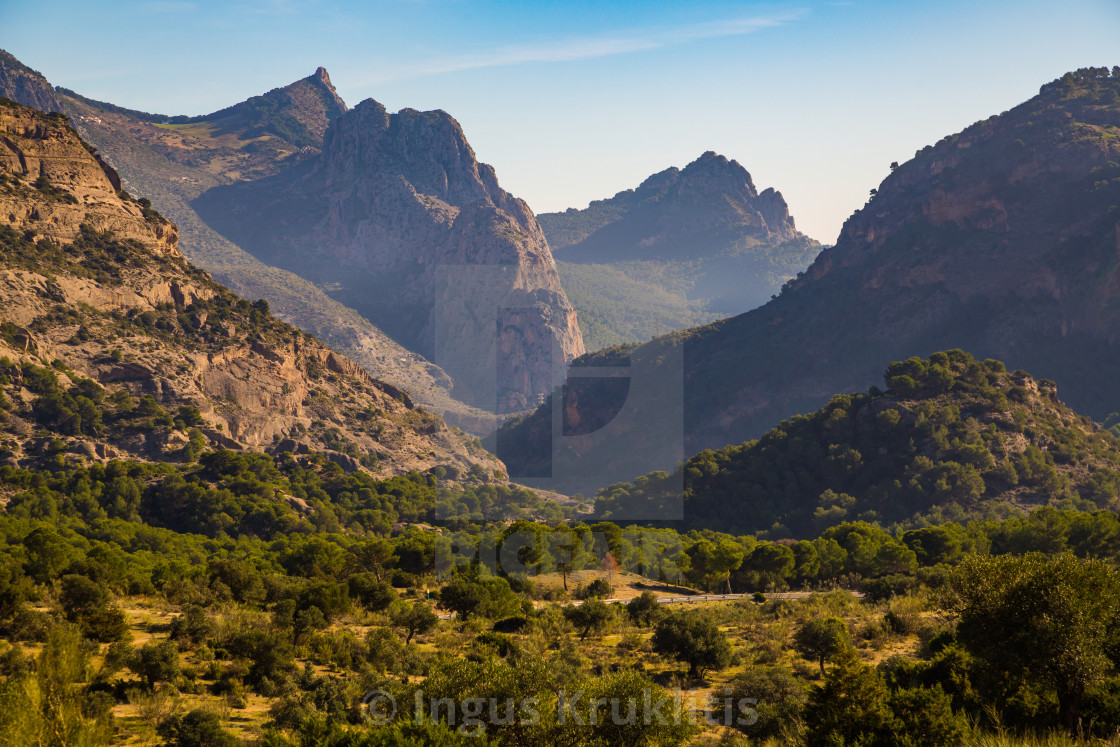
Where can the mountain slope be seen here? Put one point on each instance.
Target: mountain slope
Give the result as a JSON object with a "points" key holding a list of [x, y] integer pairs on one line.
{"points": [[951, 438], [1001, 240], [174, 164], [397, 219], [703, 234], [25, 86], [113, 344], [253, 138]]}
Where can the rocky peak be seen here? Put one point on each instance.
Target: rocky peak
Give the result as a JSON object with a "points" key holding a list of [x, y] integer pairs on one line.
{"points": [[712, 173], [701, 210], [25, 86]]}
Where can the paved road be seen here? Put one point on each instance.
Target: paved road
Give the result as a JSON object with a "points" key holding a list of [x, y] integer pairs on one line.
{"points": [[694, 598]]}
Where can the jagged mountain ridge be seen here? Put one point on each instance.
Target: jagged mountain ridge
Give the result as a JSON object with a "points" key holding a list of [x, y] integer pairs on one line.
{"points": [[117, 346], [176, 159], [253, 138], [1001, 240], [388, 218], [703, 234]]}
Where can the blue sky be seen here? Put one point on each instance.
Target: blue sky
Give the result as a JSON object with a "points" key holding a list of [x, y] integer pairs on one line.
{"points": [[573, 101]]}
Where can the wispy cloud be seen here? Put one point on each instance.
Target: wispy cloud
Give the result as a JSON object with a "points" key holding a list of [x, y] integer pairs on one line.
{"points": [[586, 47]]}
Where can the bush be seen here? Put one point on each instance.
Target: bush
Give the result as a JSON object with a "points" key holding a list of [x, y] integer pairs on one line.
{"points": [[597, 589], [156, 662], [644, 609], [779, 700], [198, 728], [591, 616]]}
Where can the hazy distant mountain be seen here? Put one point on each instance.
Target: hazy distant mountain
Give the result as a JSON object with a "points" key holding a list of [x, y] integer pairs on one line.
{"points": [[394, 218], [685, 247], [25, 86], [116, 346], [1001, 240]]}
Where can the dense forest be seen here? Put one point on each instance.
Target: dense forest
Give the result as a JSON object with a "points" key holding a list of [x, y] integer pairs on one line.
{"points": [[251, 597], [950, 438]]}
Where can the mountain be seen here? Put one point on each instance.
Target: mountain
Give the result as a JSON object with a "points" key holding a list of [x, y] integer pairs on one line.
{"points": [[1002, 240], [398, 220], [254, 138], [177, 159], [951, 438], [111, 344], [703, 238], [25, 86]]}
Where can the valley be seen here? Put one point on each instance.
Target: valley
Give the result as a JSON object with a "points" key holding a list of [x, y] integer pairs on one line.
{"points": [[313, 435]]}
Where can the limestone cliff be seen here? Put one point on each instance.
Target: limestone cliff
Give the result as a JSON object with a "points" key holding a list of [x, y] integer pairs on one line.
{"points": [[400, 221], [174, 159], [55, 184], [115, 345]]}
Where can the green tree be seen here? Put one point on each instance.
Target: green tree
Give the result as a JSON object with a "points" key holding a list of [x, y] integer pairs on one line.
{"points": [[372, 593], [850, 706], [488, 597], [156, 662], [924, 716], [1034, 617], [590, 616], [198, 728], [693, 638], [780, 700], [644, 609], [821, 638], [416, 618]]}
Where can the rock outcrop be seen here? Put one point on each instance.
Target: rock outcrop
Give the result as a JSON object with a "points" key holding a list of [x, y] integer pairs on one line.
{"points": [[53, 185], [21, 84], [402, 223], [95, 289], [1002, 240]]}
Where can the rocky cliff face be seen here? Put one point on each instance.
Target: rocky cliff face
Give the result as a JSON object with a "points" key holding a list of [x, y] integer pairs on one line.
{"points": [[1003, 240], [23, 85], [142, 347], [402, 223], [703, 235], [54, 185]]}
